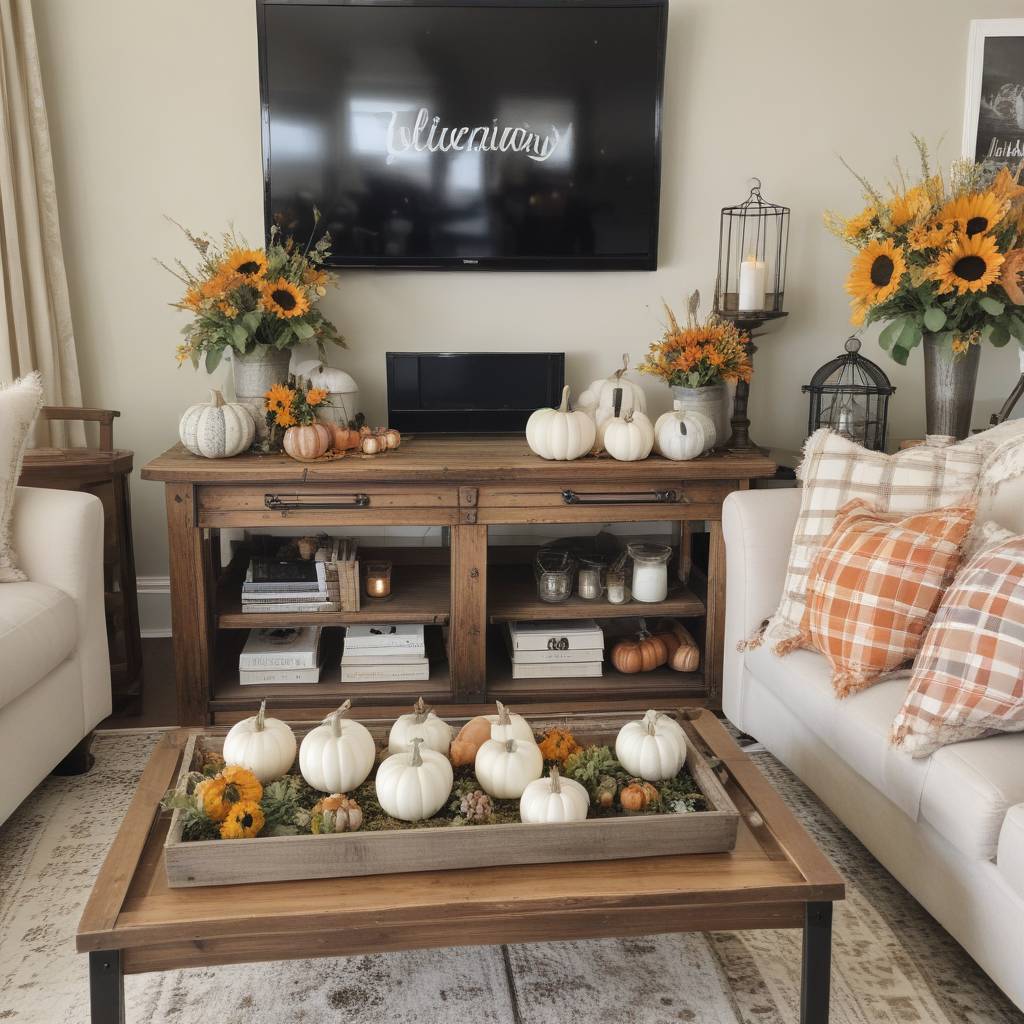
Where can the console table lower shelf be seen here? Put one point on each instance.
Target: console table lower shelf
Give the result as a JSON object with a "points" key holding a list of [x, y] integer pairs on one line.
{"points": [[775, 877]]}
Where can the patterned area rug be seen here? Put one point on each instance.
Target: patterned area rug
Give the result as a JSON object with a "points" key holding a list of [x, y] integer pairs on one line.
{"points": [[892, 963]]}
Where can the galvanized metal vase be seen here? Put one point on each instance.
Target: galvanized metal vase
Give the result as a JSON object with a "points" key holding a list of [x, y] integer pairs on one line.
{"points": [[712, 400], [254, 374], [949, 383]]}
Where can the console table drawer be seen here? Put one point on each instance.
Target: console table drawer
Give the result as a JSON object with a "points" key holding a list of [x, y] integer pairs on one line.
{"points": [[328, 504], [596, 502]]}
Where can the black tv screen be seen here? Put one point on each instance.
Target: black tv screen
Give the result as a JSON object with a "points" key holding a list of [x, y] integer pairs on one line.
{"points": [[480, 135]]}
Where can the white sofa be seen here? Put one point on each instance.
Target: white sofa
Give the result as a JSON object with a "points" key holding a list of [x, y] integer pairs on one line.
{"points": [[54, 665], [949, 827]]}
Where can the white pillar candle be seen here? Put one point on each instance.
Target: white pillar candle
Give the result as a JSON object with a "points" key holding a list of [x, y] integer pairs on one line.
{"points": [[650, 582], [753, 276]]}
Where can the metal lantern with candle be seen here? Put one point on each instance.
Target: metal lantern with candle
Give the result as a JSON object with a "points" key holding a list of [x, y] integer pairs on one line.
{"points": [[850, 394], [378, 580], [753, 241]]}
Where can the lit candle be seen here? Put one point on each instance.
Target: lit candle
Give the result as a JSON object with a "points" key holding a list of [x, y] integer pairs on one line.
{"points": [[753, 275], [378, 579]]}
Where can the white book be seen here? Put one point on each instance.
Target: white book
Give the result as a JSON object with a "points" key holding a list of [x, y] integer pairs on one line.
{"points": [[276, 586], [292, 647], [399, 656], [384, 674], [275, 597], [557, 657], [319, 569], [569, 635], [262, 676], [276, 607], [564, 670], [377, 637]]}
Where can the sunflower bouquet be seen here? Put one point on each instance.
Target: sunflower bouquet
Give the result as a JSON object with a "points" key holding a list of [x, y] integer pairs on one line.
{"points": [[242, 298], [701, 353], [939, 258], [294, 404]]}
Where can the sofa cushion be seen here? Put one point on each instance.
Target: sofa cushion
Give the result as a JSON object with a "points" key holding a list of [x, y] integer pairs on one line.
{"points": [[1010, 857], [963, 790], [38, 630], [20, 403]]}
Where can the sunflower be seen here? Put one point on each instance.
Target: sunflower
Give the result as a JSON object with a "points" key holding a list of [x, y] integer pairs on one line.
{"points": [[316, 279], [243, 821], [192, 299], [909, 206], [285, 418], [1005, 187], [933, 234], [968, 265], [974, 214], [876, 272], [962, 342], [315, 396], [1012, 277], [855, 226], [858, 312], [283, 299], [279, 399], [249, 263]]}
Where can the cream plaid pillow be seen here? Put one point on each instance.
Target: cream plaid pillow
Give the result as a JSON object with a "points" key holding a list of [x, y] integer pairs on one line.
{"points": [[20, 403], [834, 471], [969, 677]]}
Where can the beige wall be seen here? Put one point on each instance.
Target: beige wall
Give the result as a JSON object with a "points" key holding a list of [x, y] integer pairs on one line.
{"points": [[154, 110]]}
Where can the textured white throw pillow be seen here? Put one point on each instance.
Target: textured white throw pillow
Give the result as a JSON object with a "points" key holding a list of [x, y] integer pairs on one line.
{"points": [[20, 403]]}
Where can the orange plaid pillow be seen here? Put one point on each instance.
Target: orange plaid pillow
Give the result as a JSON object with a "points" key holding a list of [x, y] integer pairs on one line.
{"points": [[874, 586]]}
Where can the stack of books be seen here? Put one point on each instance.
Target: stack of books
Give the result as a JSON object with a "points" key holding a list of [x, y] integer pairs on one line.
{"points": [[292, 584], [547, 650], [289, 655], [384, 654]]}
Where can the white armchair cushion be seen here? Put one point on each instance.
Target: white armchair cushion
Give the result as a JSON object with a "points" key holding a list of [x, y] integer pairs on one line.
{"points": [[1010, 858], [38, 630], [20, 403]]}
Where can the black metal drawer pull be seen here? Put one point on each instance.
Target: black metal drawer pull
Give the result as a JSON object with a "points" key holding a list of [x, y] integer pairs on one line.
{"points": [[293, 502], [570, 497]]}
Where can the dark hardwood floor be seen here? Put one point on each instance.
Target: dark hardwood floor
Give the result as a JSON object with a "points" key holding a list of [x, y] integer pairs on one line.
{"points": [[156, 705]]}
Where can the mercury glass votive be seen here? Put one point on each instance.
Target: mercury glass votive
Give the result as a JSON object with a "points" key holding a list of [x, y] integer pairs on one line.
{"points": [[378, 580]]}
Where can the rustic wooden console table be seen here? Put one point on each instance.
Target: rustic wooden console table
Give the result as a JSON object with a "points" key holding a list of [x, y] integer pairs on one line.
{"points": [[467, 589]]}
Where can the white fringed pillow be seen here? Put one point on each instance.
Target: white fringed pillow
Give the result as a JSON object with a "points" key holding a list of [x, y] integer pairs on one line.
{"points": [[20, 403]]}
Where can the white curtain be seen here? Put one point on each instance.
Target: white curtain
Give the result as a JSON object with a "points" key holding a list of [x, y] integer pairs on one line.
{"points": [[35, 323]]}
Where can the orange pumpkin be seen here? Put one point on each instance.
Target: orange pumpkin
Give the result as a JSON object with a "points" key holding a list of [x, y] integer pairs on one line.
{"points": [[643, 654], [686, 656], [392, 438], [342, 438], [558, 744], [307, 443], [637, 796], [470, 739]]}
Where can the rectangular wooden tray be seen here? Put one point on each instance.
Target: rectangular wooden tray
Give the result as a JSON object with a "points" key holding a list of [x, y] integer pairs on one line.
{"points": [[284, 858]]}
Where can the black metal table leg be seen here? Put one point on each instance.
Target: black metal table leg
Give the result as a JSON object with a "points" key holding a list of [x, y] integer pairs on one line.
{"points": [[817, 963], [106, 987]]}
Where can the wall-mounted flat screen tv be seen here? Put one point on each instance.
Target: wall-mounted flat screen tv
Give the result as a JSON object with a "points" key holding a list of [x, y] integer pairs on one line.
{"points": [[475, 134]]}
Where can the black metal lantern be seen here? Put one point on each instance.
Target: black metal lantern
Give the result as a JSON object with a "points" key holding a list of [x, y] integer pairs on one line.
{"points": [[850, 394], [753, 241]]}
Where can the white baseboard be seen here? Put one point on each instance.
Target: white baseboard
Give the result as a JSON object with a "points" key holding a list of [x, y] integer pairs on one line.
{"points": [[154, 605]]}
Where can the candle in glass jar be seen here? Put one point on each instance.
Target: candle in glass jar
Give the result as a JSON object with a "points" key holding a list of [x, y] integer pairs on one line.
{"points": [[378, 579], [650, 582], [588, 583], [616, 588], [753, 275]]}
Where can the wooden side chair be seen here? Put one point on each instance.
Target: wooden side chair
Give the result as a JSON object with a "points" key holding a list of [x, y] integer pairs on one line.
{"points": [[103, 471]]}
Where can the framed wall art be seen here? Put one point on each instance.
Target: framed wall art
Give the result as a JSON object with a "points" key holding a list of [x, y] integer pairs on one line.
{"points": [[994, 99]]}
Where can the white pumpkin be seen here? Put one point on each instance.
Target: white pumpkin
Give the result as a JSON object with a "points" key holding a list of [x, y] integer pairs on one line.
{"points": [[266, 746], [504, 768], [560, 434], [507, 726], [422, 722], [342, 388], [337, 756], [629, 438], [415, 784], [553, 799], [684, 435], [217, 429], [650, 750], [666, 723], [599, 398]]}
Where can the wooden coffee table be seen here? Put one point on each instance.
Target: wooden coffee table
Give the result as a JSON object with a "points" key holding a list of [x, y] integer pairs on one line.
{"points": [[775, 878]]}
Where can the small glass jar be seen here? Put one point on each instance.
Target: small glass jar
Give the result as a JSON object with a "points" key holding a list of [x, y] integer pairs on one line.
{"points": [[650, 571], [378, 580], [590, 579], [554, 573], [618, 593]]}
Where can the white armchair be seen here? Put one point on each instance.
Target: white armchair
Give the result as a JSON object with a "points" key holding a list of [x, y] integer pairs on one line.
{"points": [[54, 665]]}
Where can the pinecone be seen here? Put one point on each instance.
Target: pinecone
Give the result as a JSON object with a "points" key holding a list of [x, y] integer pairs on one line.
{"points": [[476, 806]]}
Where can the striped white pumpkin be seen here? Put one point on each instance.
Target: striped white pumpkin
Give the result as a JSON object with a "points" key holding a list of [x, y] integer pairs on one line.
{"points": [[217, 429]]}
